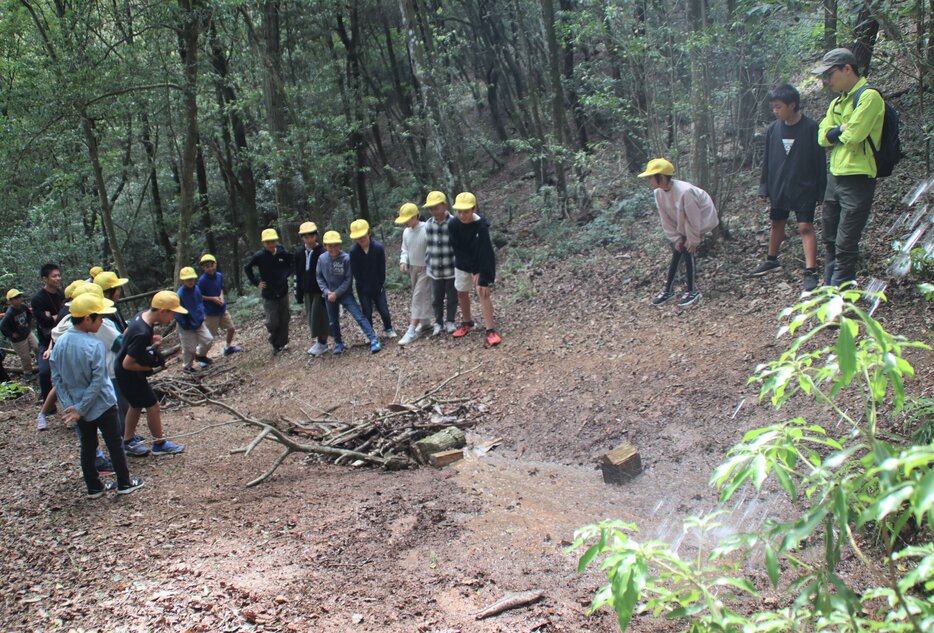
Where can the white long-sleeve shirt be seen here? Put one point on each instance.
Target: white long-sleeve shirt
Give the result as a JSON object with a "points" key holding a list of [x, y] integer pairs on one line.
{"points": [[686, 212], [414, 245]]}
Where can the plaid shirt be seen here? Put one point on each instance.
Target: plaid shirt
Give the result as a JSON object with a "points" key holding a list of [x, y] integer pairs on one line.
{"points": [[440, 255]]}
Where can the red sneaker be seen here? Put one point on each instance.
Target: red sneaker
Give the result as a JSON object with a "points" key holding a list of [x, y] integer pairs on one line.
{"points": [[462, 330], [493, 338]]}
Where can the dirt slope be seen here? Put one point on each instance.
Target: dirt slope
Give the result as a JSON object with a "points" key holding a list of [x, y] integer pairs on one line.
{"points": [[585, 363]]}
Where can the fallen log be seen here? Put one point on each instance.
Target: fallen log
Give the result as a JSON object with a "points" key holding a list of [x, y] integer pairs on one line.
{"points": [[442, 459], [444, 440], [510, 601]]}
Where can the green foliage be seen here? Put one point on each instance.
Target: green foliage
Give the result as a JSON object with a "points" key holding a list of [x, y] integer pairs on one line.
{"points": [[919, 414], [847, 486], [12, 390]]}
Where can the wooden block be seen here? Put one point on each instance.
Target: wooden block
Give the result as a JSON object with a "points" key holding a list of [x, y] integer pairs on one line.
{"points": [[442, 459], [621, 464], [444, 440]]}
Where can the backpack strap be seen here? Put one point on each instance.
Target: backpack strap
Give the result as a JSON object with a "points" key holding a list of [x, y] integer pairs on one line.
{"points": [[856, 96]]}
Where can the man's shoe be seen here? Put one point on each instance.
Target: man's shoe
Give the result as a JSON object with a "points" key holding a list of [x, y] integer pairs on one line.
{"points": [[810, 280], [204, 360], [492, 338], [318, 348], [167, 448], [689, 298], [41, 423], [436, 329], [104, 466], [768, 266], [664, 297], [463, 330], [203, 365], [135, 484], [232, 349], [338, 349], [450, 327], [375, 346], [410, 335], [136, 448], [391, 333], [189, 370], [97, 494]]}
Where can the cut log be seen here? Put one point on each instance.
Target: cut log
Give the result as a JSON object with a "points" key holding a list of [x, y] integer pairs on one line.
{"points": [[621, 464], [442, 459], [444, 440]]}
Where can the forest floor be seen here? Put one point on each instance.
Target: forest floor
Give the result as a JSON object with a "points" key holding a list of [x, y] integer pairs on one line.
{"points": [[585, 363]]}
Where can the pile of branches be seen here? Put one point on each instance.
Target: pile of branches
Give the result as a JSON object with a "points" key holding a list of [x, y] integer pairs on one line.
{"points": [[385, 438], [212, 382]]}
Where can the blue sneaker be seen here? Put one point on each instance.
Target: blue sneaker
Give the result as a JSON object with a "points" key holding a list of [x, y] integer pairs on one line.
{"points": [[232, 349], [167, 448], [375, 346], [338, 349], [136, 448]]}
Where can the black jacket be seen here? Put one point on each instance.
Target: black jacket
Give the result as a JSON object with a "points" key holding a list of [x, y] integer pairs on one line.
{"points": [[274, 269], [305, 280], [44, 303], [473, 250], [796, 181], [17, 324]]}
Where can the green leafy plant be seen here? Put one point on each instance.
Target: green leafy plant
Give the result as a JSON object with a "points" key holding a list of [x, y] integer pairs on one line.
{"points": [[856, 493], [12, 390]]}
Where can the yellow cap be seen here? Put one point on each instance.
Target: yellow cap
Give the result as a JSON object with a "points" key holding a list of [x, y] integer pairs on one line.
{"points": [[359, 228], [70, 288], [434, 197], [658, 166], [207, 257], [465, 201], [90, 303], [167, 300], [12, 293], [332, 237], [83, 288], [307, 227], [95, 271], [406, 213], [108, 280], [187, 273], [269, 235]]}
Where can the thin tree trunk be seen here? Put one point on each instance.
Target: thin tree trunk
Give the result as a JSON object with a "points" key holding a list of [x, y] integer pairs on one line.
{"points": [[830, 24], [204, 203], [162, 234], [867, 28], [700, 87], [188, 39], [110, 235], [558, 114]]}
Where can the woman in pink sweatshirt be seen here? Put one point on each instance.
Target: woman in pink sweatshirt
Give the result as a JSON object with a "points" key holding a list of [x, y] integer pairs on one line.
{"points": [[686, 212]]}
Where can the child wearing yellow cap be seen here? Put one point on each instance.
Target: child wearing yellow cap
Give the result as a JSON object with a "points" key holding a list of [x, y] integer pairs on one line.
{"points": [[368, 263], [274, 264], [686, 213], [193, 333], [17, 326], [413, 260]]}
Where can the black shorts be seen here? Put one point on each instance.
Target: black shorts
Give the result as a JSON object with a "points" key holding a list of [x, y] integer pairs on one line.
{"points": [[136, 389], [782, 214]]}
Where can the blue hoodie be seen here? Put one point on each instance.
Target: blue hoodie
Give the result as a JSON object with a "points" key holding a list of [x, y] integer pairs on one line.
{"points": [[191, 300], [334, 274]]}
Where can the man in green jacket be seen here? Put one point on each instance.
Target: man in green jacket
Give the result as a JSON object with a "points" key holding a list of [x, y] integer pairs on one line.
{"points": [[852, 180]]}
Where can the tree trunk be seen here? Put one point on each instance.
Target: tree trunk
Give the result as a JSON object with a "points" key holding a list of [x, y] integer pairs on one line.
{"points": [[558, 114], [351, 41], [110, 235], [700, 87], [830, 24], [162, 233], [204, 204], [867, 28], [188, 41]]}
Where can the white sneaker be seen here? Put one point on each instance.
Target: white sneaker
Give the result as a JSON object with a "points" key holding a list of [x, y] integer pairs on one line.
{"points": [[436, 330], [42, 423], [391, 333], [410, 335], [318, 348], [449, 327]]}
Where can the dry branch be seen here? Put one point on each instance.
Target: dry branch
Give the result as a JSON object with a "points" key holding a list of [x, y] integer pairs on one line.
{"points": [[510, 601]]}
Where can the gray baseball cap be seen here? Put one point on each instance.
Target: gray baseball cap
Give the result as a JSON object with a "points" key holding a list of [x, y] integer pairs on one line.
{"points": [[836, 57]]}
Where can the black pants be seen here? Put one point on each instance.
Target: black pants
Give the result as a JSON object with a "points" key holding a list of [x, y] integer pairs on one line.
{"points": [[277, 320], [110, 429], [45, 374], [689, 272], [443, 290]]}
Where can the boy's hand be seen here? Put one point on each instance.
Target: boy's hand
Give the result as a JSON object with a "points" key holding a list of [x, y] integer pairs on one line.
{"points": [[332, 297], [691, 248], [70, 415], [156, 340], [261, 285], [46, 354], [403, 267], [679, 244], [763, 199]]}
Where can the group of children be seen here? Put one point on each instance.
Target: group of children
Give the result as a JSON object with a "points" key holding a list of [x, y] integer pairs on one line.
{"points": [[444, 257]]}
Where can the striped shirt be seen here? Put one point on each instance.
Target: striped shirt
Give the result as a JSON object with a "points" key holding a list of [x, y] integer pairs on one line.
{"points": [[440, 255]]}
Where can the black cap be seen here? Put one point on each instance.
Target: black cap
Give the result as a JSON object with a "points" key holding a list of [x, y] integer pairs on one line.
{"points": [[836, 57]]}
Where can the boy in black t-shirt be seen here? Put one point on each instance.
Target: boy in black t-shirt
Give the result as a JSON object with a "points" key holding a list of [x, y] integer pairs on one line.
{"points": [[794, 175], [134, 363]]}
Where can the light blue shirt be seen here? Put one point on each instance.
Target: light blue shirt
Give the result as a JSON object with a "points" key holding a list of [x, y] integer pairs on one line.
{"points": [[79, 373]]}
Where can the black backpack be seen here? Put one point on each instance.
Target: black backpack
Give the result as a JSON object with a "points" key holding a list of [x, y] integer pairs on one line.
{"points": [[889, 151]]}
